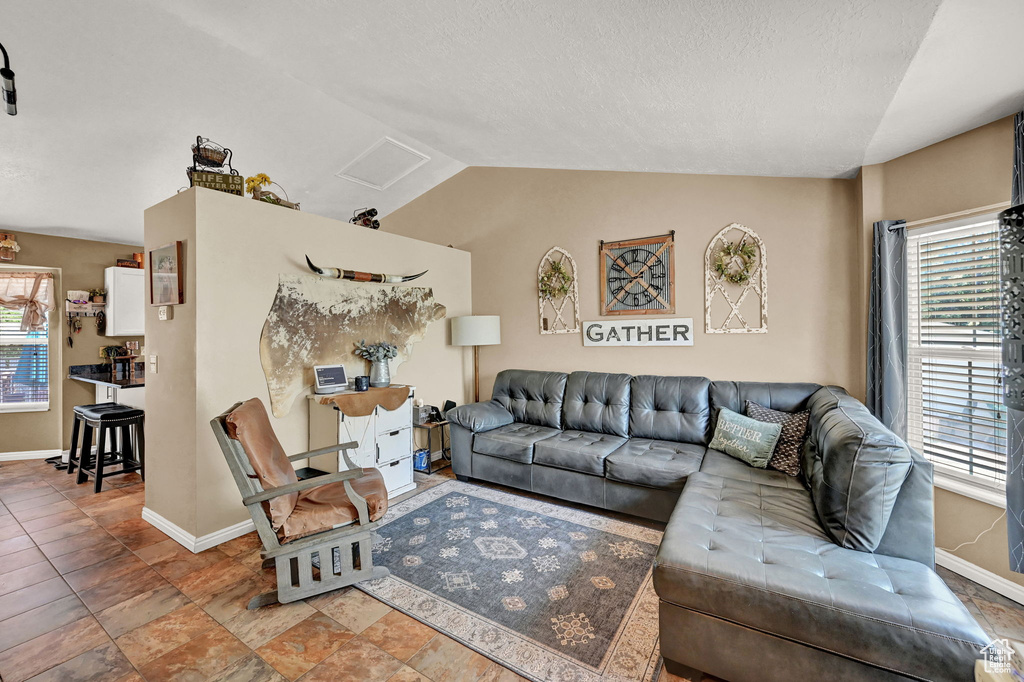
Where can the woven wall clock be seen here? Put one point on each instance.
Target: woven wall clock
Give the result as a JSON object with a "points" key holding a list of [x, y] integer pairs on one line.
{"points": [[638, 276]]}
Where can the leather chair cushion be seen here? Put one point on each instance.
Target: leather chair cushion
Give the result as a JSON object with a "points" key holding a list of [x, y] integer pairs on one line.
{"points": [[249, 424], [101, 411], [580, 451], [653, 463], [670, 408], [721, 464], [323, 508], [855, 468], [597, 402], [532, 397], [755, 555], [514, 441], [480, 416]]}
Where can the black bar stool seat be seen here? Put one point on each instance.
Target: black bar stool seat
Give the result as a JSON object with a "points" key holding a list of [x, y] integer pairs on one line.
{"points": [[122, 426]]}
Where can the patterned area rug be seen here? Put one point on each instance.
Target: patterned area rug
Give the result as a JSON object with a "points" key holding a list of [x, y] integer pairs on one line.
{"points": [[554, 593]]}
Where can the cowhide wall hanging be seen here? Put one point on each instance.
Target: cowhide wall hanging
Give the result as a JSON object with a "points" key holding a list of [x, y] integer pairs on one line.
{"points": [[317, 321]]}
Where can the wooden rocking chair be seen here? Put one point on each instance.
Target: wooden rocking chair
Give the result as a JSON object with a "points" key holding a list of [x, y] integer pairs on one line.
{"points": [[327, 521]]}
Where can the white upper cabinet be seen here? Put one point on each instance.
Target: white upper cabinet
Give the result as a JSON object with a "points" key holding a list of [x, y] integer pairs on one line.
{"points": [[126, 301]]}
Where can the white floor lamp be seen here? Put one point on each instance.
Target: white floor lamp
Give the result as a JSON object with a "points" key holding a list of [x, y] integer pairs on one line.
{"points": [[476, 331]]}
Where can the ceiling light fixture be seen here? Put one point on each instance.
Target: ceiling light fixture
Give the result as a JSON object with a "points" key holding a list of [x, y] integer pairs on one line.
{"points": [[7, 76]]}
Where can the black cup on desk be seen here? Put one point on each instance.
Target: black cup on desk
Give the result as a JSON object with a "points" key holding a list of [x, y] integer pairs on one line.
{"points": [[362, 383]]}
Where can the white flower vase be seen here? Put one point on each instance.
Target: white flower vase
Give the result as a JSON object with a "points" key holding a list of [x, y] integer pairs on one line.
{"points": [[380, 374]]}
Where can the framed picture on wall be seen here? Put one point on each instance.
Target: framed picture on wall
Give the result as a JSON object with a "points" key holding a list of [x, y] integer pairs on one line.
{"points": [[166, 275]]}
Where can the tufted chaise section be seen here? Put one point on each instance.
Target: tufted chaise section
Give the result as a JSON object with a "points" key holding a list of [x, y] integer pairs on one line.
{"points": [[754, 555], [531, 397], [670, 408], [597, 402]]}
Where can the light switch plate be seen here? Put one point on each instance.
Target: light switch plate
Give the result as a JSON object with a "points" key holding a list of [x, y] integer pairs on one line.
{"points": [[153, 366], [163, 313]]}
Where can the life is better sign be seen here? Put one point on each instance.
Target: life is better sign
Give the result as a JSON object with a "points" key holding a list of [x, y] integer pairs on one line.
{"points": [[661, 332]]}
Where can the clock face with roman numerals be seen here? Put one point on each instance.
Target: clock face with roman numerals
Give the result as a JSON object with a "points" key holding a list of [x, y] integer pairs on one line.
{"points": [[638, 276]]}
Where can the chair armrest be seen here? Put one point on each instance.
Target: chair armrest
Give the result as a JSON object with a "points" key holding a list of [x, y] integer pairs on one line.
{"points": [[323, 451], [480, 416], [316, 482]]}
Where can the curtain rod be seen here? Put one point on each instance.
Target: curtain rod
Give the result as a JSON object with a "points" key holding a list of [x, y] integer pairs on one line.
{"points": [[992, 208]]}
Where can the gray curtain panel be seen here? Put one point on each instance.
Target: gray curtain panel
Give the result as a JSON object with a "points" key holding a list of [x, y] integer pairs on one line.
{"points": [[1011, 288], [887, 327]]}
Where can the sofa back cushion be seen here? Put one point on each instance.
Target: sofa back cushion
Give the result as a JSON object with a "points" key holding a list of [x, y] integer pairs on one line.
{"points": [[855, 468], [670, 408], [597, 402], [532, 397]]}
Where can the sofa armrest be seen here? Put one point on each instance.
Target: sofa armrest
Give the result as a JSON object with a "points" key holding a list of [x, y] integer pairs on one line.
{"points": [[479, 417]]}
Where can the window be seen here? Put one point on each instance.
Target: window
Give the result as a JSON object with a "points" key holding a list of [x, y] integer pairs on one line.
{"points": [[24, 365], [956, 416]]}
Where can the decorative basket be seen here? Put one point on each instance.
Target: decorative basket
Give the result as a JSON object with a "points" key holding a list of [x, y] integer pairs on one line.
{"points": [[210, 154], [271, 198]]}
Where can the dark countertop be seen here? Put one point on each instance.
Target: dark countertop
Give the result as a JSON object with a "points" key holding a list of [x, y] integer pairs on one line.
{"points": [[100, 374]]}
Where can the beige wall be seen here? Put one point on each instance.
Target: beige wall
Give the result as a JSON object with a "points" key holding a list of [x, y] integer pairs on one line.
{"points": [[966, 172], [818, 234], [509, 217], [209, 353], [81, 263]]}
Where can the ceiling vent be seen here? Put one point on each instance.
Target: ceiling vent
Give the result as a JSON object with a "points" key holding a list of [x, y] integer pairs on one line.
{"points": [[383, 164]]}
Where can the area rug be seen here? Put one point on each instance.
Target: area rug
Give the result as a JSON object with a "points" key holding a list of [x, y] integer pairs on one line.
{"points": [[551, 592]]}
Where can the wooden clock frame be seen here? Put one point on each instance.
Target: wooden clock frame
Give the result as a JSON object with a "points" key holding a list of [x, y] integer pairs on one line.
{"points": [[664, 250]]}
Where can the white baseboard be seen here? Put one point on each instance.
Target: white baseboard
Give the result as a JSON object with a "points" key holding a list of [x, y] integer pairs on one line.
{"points": [[982, 576], [191, 542], [28, 454]]}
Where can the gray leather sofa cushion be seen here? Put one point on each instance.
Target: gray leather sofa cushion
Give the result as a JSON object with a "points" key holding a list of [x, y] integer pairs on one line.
{"points": [[531, 397], [670, 408], [514, 441], [654, 463], [854, 467], [581, 451], [721, 464], [597, 402], [755, 555], [480, 416], [782, 396]]}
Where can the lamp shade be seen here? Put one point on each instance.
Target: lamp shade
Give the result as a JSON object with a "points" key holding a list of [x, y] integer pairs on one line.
{"points": [[476, 330]]}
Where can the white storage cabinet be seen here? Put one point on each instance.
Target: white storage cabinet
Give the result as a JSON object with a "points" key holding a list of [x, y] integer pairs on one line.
{"points": [[126, 301], [384, 437]]}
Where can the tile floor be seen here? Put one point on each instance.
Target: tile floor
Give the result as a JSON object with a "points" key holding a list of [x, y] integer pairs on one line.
{"points": [[90, 591]]}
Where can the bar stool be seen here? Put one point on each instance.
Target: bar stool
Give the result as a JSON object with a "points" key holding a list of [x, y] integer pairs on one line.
{"points": [[117, 423]]}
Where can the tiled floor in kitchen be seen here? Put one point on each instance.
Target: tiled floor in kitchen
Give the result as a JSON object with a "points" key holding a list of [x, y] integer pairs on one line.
{"points": [[90, 591]]}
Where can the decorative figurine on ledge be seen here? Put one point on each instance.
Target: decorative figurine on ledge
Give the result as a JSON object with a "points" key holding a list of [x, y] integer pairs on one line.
{"points": [[254, 187], [366, 218]]}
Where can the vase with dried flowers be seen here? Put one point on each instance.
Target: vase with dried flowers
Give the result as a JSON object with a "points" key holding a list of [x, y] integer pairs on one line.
{"points": [[378, 354], [8, 247]]}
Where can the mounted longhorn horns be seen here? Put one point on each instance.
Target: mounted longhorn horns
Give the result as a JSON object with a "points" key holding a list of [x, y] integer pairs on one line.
{"points": [[357, 276]]}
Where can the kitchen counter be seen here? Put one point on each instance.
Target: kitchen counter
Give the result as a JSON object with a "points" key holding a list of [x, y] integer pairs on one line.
{"points": [[100, 374]]}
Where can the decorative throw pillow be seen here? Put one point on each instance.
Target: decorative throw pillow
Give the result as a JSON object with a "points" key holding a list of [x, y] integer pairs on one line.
{"points": [[786, 457], [744, 438]]}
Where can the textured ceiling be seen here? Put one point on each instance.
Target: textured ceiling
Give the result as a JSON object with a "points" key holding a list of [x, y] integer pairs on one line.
{"points": [[112, 91]]}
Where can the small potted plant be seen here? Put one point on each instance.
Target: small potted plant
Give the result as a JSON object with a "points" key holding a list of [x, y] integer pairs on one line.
{"points": [[98, 295], [378, 354]]}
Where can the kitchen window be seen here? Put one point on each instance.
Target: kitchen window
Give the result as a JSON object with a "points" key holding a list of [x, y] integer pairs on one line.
{"points": [[24, 365], [26, 299], [956, 416]]}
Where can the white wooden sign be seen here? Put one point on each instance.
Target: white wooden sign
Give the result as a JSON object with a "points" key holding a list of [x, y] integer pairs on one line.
{"points": [[661, 332]]}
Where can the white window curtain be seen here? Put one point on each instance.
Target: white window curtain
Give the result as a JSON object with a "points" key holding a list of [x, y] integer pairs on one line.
{"points": [[31, 292]]}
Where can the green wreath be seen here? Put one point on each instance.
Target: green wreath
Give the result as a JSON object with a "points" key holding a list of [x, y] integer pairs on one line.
{"points": [[554, 283], [725, 258]]}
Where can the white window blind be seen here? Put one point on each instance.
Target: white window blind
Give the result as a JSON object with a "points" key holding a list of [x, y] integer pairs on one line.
{"points": [[24, 365], [956, 416]]}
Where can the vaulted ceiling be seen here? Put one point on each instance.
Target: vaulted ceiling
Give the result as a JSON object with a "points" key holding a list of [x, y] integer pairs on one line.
{"points": [[113, 92]]}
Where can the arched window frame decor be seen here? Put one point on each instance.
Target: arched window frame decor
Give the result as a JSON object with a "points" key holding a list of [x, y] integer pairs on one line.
{"points": [[555, 308], [716, 288]]}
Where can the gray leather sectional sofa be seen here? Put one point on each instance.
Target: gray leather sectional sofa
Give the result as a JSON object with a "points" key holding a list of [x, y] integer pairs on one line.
{"points": [[761, 576]]}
